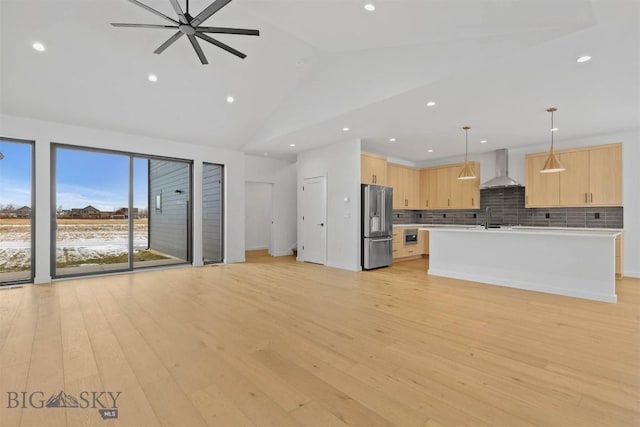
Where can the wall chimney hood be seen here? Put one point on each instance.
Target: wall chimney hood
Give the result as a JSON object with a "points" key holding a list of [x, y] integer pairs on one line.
{"points": [[502, 178]]}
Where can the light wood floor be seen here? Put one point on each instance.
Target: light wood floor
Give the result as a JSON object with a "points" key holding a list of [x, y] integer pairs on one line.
{"points": [[276, 343]]}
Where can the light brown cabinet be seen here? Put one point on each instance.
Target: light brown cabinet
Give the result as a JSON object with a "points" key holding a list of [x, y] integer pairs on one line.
{"points": [[620, 255], [593, 177], [440, 188], [406, 186], [423, 239], [574, 181], [605, 175], [465, 193], [428, 188], [373, 169], [409, 251], [541, 189]]}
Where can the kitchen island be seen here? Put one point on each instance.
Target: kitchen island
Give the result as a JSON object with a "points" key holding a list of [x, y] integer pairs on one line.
{"points": [[578, 263]]}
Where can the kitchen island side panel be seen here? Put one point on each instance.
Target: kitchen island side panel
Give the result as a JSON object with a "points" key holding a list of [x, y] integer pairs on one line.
{"points": [[571, 264]]}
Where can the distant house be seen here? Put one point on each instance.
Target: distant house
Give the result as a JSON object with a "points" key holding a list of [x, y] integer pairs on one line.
{"points": [[23, 212], [88, 212], [123, 213]]}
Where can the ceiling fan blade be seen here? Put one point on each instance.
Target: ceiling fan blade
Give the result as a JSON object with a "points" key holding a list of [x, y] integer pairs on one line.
{"points": [[169, 42], [152, 10], [178, 9], [208, 11], [198, 49], [221, 45], [222, 30], [117, 24]]}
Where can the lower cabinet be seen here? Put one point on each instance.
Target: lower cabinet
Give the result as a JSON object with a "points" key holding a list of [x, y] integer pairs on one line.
{"points": [[620, 255], [400, 250]]}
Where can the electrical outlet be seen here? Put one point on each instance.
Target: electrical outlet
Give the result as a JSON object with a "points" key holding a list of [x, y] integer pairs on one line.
{"points": [[475, 215], [547, 215], [596, 215], [444, 215]]}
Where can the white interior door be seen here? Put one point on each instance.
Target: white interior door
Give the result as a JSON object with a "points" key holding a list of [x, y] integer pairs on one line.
{"points": [[257, 215], [314, 220]]}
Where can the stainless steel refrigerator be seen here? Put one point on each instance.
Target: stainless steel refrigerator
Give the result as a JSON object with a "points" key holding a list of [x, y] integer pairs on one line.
{"points": [[377, 240]]}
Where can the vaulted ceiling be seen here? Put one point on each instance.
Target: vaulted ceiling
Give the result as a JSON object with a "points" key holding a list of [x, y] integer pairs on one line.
{"points": [[322, 65]]}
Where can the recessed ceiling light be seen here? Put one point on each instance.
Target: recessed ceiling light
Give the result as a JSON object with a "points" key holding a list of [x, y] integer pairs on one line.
{"points": [[392, 140], [585, 58], [554, 129], [369, 7], [484, 141], [429, 151], [345, 129], [230, 99], [292, 145], [431, 104], [153, 78], [38, 46]]}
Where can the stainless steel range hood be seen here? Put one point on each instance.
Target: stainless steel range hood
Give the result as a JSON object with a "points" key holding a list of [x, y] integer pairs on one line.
{"points": [[502, 178]]}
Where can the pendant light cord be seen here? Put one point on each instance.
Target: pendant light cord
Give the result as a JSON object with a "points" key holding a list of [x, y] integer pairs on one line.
{"points": [[552, 130]]}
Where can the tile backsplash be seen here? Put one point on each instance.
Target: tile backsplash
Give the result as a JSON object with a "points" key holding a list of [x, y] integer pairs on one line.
{"points": [[507, 208]]}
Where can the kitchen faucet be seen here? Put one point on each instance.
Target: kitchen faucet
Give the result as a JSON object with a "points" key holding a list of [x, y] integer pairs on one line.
{"points": [[487, 214]]}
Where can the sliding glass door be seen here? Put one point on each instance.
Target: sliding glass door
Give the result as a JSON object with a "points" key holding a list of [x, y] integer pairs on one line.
{"points": [[118, 211], [91, 200], [16, 211], [168, 206]]}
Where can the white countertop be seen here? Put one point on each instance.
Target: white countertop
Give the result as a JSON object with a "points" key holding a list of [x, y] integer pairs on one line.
{"points": [[555, 231], [538, 231]]}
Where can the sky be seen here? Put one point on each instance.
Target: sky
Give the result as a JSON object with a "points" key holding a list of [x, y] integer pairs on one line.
{"points": [[82, 178]]}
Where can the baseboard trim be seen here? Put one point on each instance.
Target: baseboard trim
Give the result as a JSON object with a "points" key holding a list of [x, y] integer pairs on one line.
{"points": [[282, 253], [528, 286], [634, 274], [344, 266]]}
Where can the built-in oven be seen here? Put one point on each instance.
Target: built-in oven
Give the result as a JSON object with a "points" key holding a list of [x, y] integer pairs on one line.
{"points": [[410, 236]]}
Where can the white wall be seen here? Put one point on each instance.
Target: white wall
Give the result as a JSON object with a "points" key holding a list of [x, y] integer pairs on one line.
{"points": [[44, 133], [282, 175], [258, 212], [340, 164], [630, 181]]}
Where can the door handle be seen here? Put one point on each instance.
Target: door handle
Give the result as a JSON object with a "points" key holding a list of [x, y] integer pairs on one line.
{"points": [[321, 224], [591, 197], [585, 198]]}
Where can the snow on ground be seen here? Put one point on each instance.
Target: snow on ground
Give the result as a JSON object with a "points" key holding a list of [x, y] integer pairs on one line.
{"points": [[76, 241]]}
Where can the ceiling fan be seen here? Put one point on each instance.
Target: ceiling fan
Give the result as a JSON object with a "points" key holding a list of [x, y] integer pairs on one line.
{"points": [[191, 27]]}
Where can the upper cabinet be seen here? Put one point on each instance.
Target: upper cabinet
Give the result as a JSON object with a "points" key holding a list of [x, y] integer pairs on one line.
{"points": [[440, 188], [593, 177], [605, 175], [541, 189], [373, 169], [406, 186]]}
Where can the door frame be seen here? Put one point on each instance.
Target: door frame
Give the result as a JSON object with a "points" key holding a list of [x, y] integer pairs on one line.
{"points": [[272, 207], [323, 180], [32, 219], [54, 146]]}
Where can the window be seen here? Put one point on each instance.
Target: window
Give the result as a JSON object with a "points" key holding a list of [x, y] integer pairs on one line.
{"points": [[16, 211], [103, 222]]}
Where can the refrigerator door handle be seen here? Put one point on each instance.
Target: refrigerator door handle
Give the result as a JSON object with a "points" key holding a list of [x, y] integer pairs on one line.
{"points": [[382, 239], [383, 207]]}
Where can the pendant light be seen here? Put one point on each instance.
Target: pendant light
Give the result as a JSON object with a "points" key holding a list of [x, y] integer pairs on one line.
{"points": [[552, 164], [467, 171]]}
